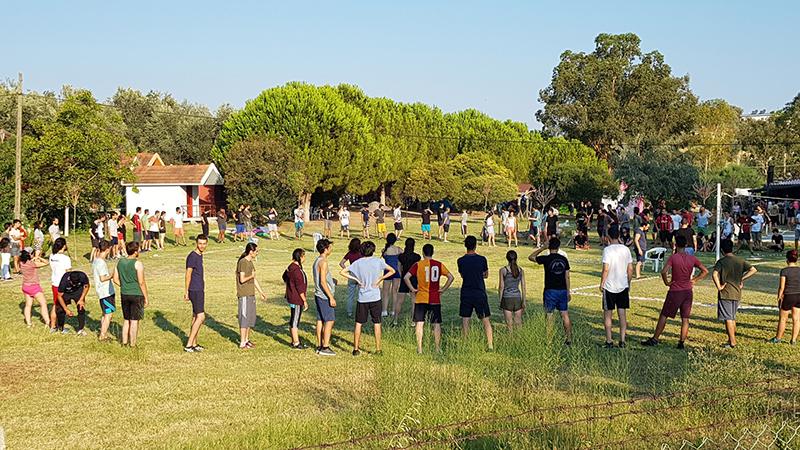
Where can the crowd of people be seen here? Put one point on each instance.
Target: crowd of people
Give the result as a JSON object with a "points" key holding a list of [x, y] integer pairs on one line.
{"points": [[379, 283]]}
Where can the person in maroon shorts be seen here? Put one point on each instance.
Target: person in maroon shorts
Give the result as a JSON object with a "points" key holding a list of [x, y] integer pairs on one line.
{"points": [[679, 297]]}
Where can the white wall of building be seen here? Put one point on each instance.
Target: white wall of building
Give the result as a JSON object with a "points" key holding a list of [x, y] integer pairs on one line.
{"points": [[161, 198]]}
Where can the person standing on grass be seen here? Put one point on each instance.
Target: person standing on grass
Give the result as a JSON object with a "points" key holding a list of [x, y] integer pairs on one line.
{"points": [[474, 269], [439, 221], [680, 266], [365, 222], [344, 222], [380, 222], [195, 292], [54, 230], [60, 263], [665, 230], [488, 226], [640, 246], [204, 222], [428, 294], [796, 230], [73, 288], [104, 287], [113, 233], [391, 255], [272, 224], [136, 220], [246, 287], [129, 276], [5, 258], [369, 272], [504, 222], [745, 225], [16, 237], [154, 231], [446, 223], [299, 222], [177, 227], [397, 214], [327, 221], [238, 220], [296, 286], [729, 275], [615, 283], [38, 239], [247, 218], [222, 225], [31, 288], [464, 220], [551, 224], [533, 231], [556, 284], [758, 225], [122, 229], [353, 254], [426, 223], [788, 298], [511, 229], [324, 289], [511, 290], [688, 233], [162, 229], [406, 259]]}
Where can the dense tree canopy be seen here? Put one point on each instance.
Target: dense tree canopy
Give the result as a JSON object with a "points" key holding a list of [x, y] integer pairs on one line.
{"points": [[658, 174], [616, 94]]}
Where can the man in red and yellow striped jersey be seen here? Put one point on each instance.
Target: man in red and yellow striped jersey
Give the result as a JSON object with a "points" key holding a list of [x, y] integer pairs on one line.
{"points": [[427, 300]]}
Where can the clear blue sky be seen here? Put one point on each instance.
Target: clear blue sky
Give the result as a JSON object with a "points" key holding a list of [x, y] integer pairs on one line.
{"points": [[493, 56]]}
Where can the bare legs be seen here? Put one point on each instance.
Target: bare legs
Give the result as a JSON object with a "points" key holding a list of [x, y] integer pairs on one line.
{"points": [[42, 308]]}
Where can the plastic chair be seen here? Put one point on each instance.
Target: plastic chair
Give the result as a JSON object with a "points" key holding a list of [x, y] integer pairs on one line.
{"points": [[656, 256]]}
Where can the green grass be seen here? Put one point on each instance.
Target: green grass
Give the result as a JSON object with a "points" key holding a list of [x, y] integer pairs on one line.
{"points": [[75, 392]]}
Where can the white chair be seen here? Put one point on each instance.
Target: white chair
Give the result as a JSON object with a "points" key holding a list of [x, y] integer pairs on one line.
{"points": [[656, 256]]}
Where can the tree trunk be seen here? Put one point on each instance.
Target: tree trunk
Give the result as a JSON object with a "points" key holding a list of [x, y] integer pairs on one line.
{"points": [[305, 202]]}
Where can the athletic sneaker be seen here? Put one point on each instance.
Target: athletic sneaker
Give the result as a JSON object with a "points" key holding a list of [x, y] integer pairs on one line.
{"points": [[568, 343], [325, 351], [622, 344], [650, 342], [53, 330], [249, 344], [356, 352], [316, 350], [198, 348], [299, 346], [774, 341], [608, 345], [188, 349], [728, 345], [385, 314], [680, 345], [81, 332], [65, 331]]}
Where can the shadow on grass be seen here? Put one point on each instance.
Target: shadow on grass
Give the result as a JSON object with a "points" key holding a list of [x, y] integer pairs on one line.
{"points": [[223, 329], [162, 322]]}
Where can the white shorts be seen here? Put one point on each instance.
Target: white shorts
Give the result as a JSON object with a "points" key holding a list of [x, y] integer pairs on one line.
{"points": [[272, 227]]}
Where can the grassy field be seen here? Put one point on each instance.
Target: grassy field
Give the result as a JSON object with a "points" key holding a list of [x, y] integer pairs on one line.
{"points": [[73, 392]]}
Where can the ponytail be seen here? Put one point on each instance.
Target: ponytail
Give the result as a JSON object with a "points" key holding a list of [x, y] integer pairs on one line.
{"points": [[511, 256], [391, 238], [249, 248], [297, 256]]}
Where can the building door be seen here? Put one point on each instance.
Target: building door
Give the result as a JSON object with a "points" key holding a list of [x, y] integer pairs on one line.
{"points": [[189, 202]]}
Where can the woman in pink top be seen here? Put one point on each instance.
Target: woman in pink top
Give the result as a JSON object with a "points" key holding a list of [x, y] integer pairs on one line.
{"points": [[30, 286]]}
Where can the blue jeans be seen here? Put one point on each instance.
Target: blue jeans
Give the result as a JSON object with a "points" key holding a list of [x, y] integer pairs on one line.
{"points": [[6, 271], [352, 296]]}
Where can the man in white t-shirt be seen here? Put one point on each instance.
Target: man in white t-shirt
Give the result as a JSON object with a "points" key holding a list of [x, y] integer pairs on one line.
{"points": [[177, 227], [757, 227], [369, 272], [299, 213], [104, 287], [60, 263], [614, 285], [54, 230], [344, 222], [113, 228]]}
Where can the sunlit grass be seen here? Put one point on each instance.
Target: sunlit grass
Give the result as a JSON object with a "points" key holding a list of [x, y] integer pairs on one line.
{"points": [[103, 395]]}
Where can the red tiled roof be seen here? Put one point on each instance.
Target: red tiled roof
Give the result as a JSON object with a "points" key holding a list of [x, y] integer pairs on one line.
{"points": [[524, 187], [170, 175]]}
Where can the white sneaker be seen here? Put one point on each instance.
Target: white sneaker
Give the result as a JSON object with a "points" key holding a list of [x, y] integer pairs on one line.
{"points": [[81, 333], [385, 314]]}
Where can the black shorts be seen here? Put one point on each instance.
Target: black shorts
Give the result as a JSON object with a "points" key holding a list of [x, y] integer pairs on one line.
{"points": [[403, 288], [446, 227], [432, 312], [198, 299], [618, 300], [398, 226], [665, 236], [366, 310], [790, 301], [744, 237], [295, 312], [480, 306], [95, 243], [132, 307]]}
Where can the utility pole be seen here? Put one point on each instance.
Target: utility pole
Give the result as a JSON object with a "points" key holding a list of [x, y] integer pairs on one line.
{"points": [[18, 167]]}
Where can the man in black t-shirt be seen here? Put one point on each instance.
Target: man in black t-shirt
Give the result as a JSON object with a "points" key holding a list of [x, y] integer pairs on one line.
{"points": [[426, 223], [473, 269], [551, 223], [556, 284], [73, 288]]}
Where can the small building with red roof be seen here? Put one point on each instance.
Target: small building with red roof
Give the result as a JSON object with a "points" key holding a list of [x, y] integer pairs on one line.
{"points": [[194, 188]]}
